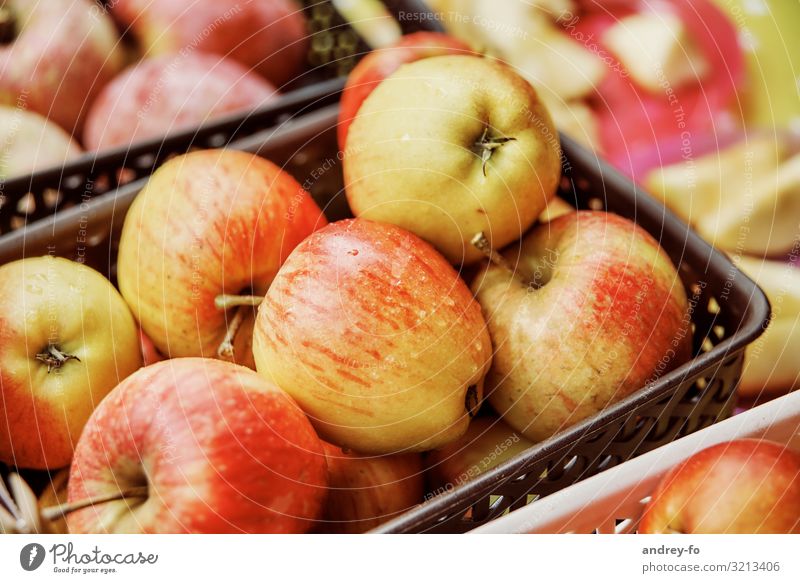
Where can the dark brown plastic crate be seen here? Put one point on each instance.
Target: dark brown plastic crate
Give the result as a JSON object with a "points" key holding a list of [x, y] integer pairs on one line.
{"points": [[729, 313], [334, 50]]}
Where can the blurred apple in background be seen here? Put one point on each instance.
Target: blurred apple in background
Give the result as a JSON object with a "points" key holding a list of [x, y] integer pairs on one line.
{"points": [[161, 95], [376, 337], [56, 56], [268, 36], [209, 223], [747, 486], [66, 339], [379, 64], [30, 142], [202, 446], [487, 443], [451, 146], [587, 309], [366, 491], [771, 365]]}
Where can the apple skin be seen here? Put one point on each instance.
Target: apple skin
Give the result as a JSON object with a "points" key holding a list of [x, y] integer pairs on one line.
{"points": [[366, 491], [207, 223], [30, 142], [376, 337], [220, 449], [267, 36], [487, 443], [64, 53], [746, 486], [411, 156], [611, 316], [161, 95], [53, 301], [379, 64]]}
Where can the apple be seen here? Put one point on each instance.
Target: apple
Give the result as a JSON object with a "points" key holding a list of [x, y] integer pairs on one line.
{"points": [[376, 337], [197, 445], [160, 95], [771, 366], [366, 491], [56, 56], [746, 486], [207, 224], [268, 36], [379, 64], [584, 311], [30, 142], [451, 146], [487, 443], [150, 354], [66, 339]]}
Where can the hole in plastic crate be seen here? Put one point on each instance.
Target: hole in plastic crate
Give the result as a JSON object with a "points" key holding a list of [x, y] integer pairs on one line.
{"points": [[27, 204], [595, 204], [52, 197]]}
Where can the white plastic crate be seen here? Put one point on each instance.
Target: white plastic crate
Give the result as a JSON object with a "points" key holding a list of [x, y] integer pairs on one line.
{"points": [[613, 501]]}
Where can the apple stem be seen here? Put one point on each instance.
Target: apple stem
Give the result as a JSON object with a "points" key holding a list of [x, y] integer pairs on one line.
{"points": [[54, 358], [225, 349], [226, 301], [482, 244], [487, 146], [56, 512]]}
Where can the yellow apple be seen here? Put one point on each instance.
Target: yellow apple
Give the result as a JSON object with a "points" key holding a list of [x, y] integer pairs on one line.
{"points": [[66, 339]]}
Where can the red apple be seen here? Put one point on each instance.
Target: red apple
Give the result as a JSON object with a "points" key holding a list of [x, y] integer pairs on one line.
{"points": [[587, 310], [268, 36], [160, 95], [202, 446], [487, 443], [56, 57], [209, 223], [747, 486], [66, 339], [150, 354], [379, 64], [30, 142], [376, 337], [366, 491]]}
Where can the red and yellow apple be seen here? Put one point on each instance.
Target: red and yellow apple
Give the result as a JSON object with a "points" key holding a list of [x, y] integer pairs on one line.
{"points": [[161, 95], [588, 309], [366, 491], [451, 146], [202, 446], [268, 36], [66, 339], [376, 337], [208, 223], [746, 486], [379, 64], [57, 57], [487, 443]]}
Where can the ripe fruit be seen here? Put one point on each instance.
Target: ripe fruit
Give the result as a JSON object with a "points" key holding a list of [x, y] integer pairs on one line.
{"points": [[198, 445], [66, 339], [588, 310], [747, 486], [162, 95], [376, 337], [366, 491], [209, 223], [451, 146]]}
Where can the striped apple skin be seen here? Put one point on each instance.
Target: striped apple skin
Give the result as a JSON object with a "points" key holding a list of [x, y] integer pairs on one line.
{"points": [[376, 337]]}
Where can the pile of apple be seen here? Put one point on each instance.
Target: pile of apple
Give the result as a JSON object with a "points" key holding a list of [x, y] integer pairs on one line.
{"points": [[368, 344], [81, 74]]}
